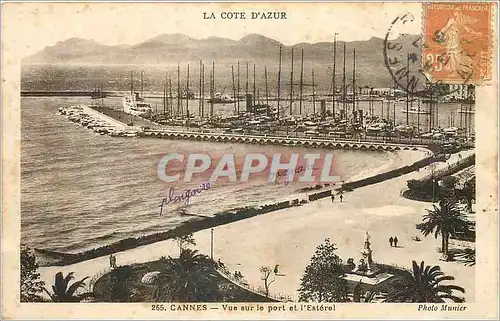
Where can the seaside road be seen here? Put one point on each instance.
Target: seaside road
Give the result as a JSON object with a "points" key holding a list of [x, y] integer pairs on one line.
{"points": [[289, 237]]}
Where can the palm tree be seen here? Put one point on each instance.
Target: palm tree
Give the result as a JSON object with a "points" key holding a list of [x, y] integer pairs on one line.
{"points": [[367, 297], [469, 192], [445, 219], [190, 278], [423, 285], [63, 292]]}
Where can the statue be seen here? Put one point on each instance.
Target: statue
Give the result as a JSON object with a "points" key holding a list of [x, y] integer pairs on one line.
{"points": [[366, 265]]}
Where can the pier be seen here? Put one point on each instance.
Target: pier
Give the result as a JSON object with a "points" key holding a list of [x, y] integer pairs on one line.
{"points": [[331, 143], [66, 93], [147, 129]]}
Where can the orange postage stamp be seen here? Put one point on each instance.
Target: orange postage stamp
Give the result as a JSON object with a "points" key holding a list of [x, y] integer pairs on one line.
{"points": [[457, 42]]}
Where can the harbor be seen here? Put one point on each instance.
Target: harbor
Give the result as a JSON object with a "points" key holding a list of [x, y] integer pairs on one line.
{"points": [[199, 169], [288, 111]]}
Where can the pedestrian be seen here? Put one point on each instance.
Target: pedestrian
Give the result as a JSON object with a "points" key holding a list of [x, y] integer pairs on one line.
{"points": [[391, 240], [341, 198], [111, 260], [395, 241], [114, 261], [333, 197]]}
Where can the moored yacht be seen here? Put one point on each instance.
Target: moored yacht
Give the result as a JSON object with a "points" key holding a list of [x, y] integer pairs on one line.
{"points": [[415, 110]]}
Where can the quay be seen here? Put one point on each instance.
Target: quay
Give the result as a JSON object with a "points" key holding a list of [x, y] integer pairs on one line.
{"points": [[103, 117], [67, 93], [370, 144], [146, 128], [332, 143]]}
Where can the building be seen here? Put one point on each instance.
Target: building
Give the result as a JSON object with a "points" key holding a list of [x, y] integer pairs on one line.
{"points": [[461, 92]]}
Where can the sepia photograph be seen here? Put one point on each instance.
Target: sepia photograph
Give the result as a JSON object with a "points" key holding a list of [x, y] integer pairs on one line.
{"points": [[249, 160]]}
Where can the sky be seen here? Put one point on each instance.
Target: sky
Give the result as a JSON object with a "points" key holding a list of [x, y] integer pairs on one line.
{"points": [[29, 27]]}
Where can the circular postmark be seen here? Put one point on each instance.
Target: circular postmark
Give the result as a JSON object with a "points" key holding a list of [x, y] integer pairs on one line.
{"points": [[402, 57]]}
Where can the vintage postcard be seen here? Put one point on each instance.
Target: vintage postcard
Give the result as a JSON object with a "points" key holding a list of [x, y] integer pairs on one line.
{"points": [[256, 160]]}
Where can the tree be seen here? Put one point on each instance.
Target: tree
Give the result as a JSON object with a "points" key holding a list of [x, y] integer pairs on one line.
{"points": [[190, 278], [119, 289], [266, 274], [31, 285], [445, 219], [449, 182], [322, 280], [423, 285], [63, 292], [424, 189], [469, 192], [184, 240]]}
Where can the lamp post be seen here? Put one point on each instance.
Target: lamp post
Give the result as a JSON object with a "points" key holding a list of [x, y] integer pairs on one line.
{"points": [[433, 180], [212, 243]]}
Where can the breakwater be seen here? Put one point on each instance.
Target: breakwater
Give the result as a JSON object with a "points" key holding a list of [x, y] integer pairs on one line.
{"points": [[329, 143], [67, 93]]}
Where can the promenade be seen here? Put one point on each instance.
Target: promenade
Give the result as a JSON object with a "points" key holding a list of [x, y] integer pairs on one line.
{"points": [[289, 237]]}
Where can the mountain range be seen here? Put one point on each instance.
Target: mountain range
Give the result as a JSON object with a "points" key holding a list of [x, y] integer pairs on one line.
{"points": [[170, 49]]}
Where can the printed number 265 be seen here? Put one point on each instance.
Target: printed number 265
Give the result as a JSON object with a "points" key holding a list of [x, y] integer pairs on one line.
{"points": [[157, 307]]}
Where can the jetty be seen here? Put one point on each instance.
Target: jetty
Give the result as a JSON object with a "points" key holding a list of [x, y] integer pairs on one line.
{"points": [[331, 143]]}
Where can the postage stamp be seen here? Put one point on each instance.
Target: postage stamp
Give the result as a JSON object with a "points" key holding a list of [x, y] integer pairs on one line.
{"points": [[457, 42], [257, 160]]}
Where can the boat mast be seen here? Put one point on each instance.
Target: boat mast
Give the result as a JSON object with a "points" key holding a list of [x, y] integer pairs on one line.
{"points": [[199, 92], [187, 94], [279, 84], [253, 85], [213, 90], [234, 89], [291, 86], [142, 83], [131, 84], [407, 88], [267, 92], [179, 107], [301, 81], [203, 90], [462, 110], [170, 96], [418, 115], [382, 110], [354, 84], [314, 94], [334, 87], [165, 97], [211, 100], [246, 83], [394, 106], [238, 97], [344, 89]]}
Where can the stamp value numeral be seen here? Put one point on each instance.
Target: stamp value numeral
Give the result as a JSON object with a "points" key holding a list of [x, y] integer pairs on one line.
{"points": [[435, 62]]}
